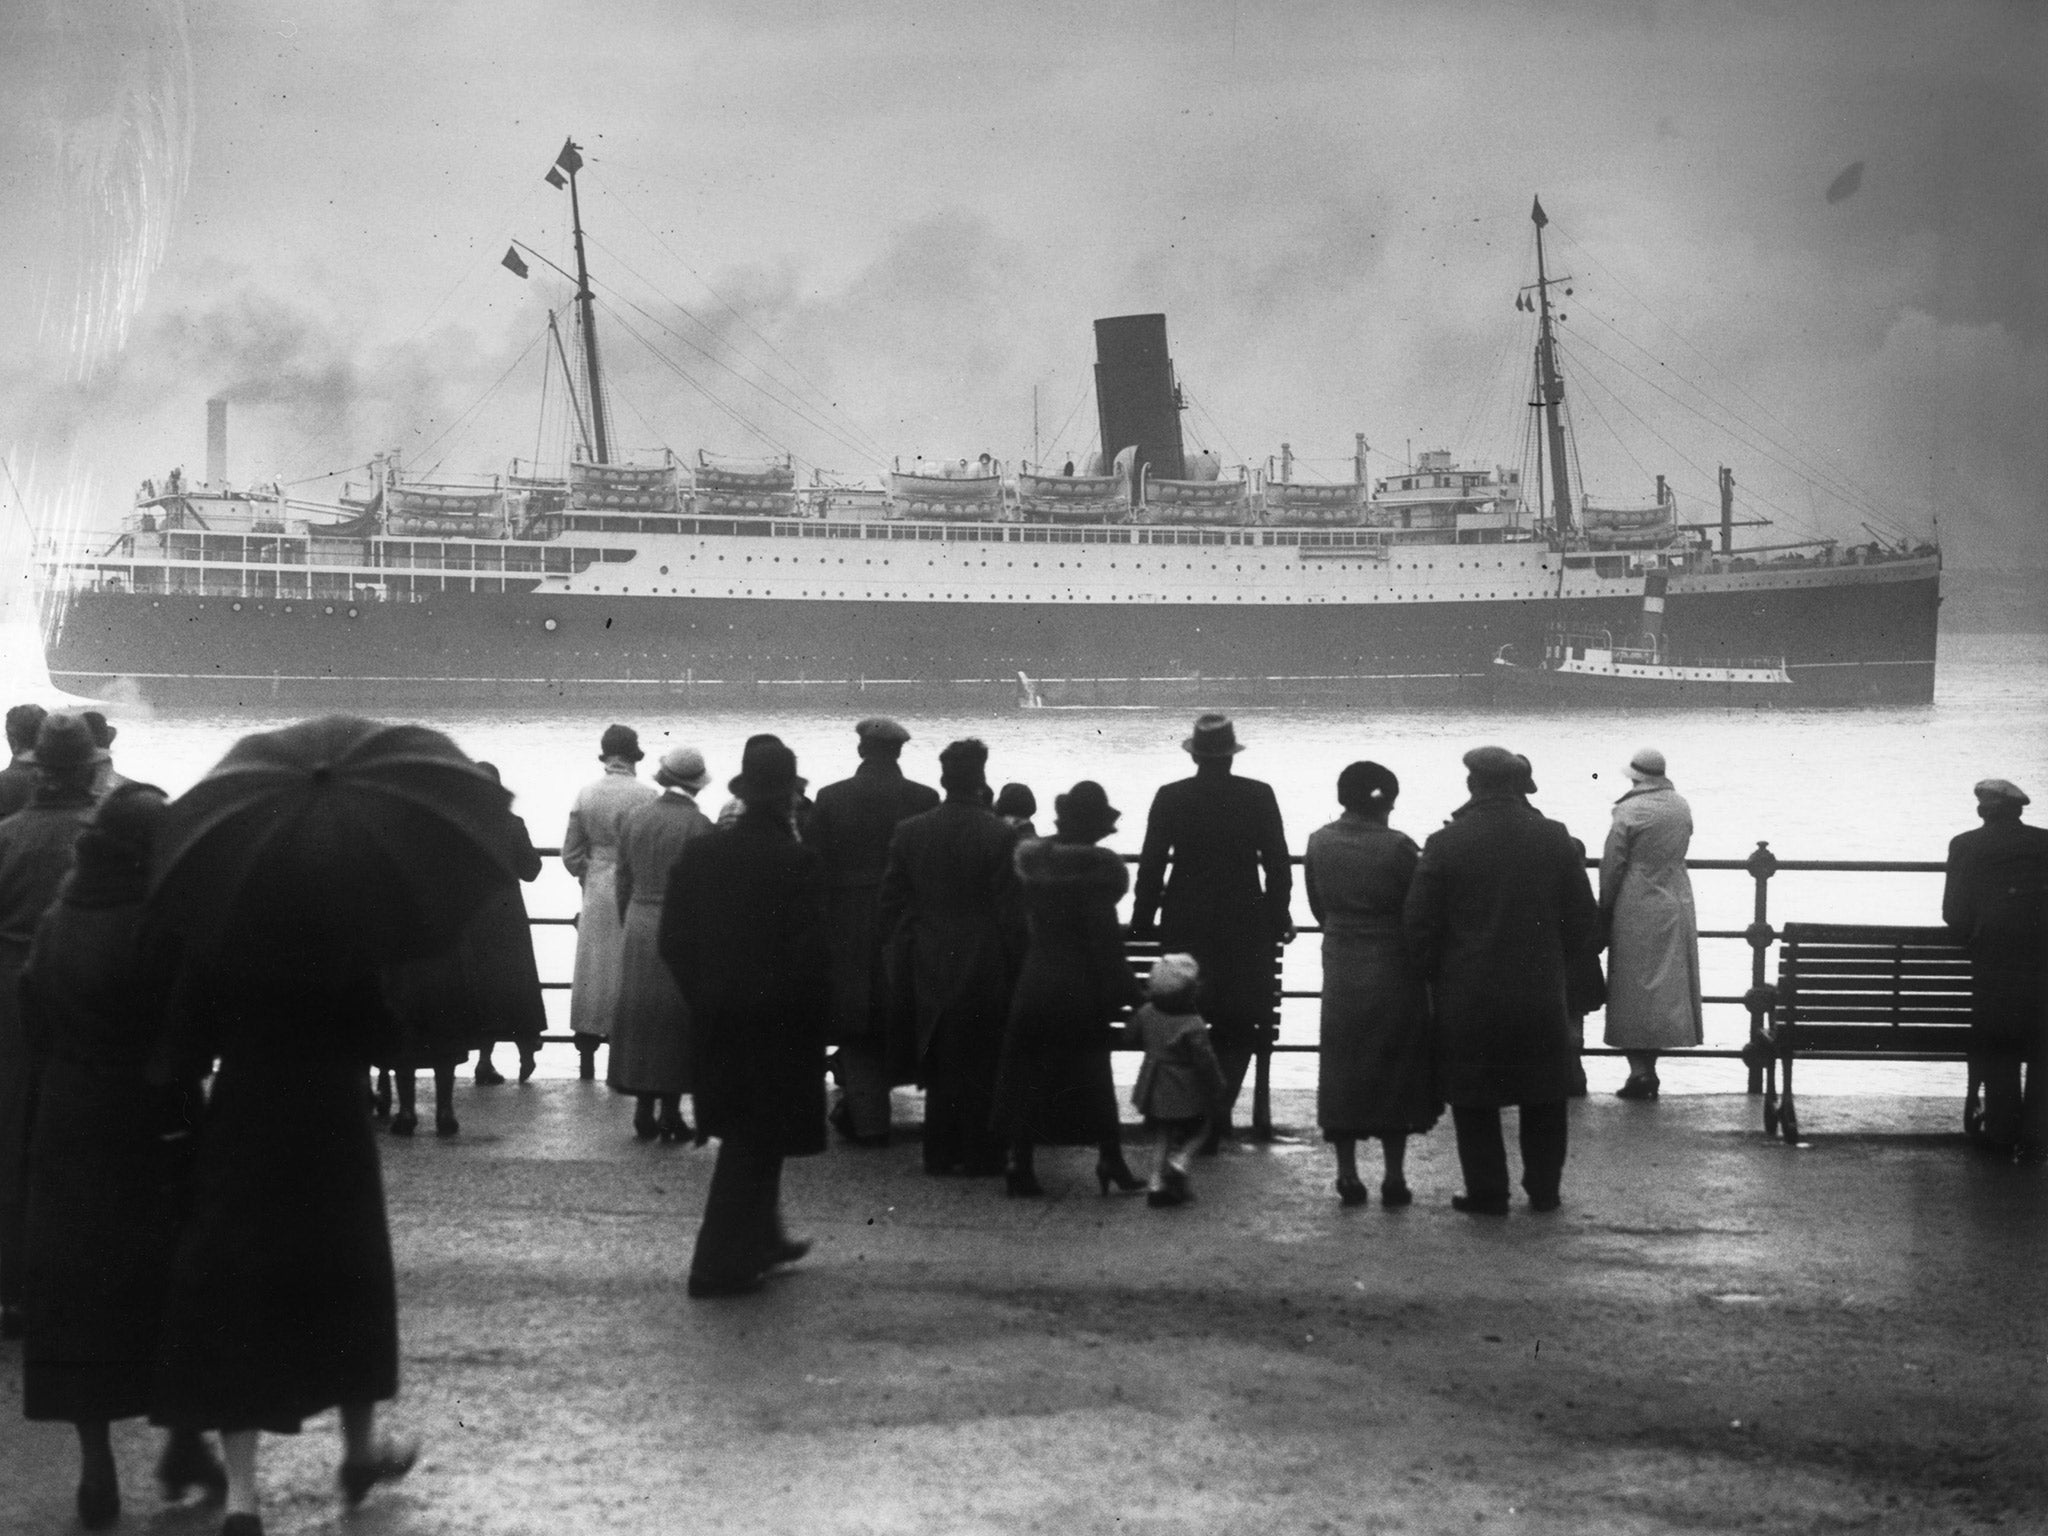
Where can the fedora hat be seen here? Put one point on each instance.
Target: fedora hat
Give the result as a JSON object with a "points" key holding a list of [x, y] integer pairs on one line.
{"points": [[1085, 811], [63, 741], [767, 772], [1214, 736]]}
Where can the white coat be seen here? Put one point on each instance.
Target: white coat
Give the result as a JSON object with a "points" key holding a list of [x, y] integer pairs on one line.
{"points": [[1653, 955]]}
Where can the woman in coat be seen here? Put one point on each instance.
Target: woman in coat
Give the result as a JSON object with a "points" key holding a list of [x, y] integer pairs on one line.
{"points": [[1653, 943], [497, 950], [590, 852], [1373, 1075], [649, 1056], [1053, 1086], [107, 1157]]}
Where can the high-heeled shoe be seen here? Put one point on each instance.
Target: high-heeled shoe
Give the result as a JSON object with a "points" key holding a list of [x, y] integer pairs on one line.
{"points": [[187, 1464], [1637, 1088], [404, 1123], [488, 1076], [99, 1501], [1021, 1182], [1394, 1193], [675, 1130], [1117, 1173], [528, 1060], [445, 1123], [389, 1462], [645, 1126], [1351, 1189]]}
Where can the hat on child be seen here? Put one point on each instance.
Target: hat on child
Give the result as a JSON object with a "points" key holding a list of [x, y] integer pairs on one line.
{"points": [[1172, 976]]}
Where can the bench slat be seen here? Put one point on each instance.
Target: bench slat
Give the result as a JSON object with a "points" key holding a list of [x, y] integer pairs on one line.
{"points": [[1946, 1039], [1867, 933], [1867, 981]]}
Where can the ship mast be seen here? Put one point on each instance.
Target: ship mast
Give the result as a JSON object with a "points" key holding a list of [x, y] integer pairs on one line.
{"points": [[1549, 384], [571, 161]]}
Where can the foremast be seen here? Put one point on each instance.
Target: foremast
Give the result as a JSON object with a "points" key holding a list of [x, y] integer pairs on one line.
{"points": [[570, 161], [1550, 384]]}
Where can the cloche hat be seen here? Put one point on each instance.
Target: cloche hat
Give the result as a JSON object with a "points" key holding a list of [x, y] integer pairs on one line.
{"points": [[1085, 810], [767, 771], [683, 767], [620, 741], [1648, 763]]}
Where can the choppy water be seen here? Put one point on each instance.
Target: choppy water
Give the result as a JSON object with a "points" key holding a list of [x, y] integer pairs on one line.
{"points": [[1891, 783]]}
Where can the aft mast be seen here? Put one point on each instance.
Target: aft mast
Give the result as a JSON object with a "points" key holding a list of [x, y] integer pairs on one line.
{"points": [[1550, 385]]}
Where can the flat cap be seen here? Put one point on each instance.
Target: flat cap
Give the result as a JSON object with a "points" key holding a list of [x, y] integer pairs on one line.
{"points": [[880, 728], [1493, 763], [2001, 789]]}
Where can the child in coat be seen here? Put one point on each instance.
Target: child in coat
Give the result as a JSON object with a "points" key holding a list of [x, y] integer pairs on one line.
{"points": [[1181, 1088]]}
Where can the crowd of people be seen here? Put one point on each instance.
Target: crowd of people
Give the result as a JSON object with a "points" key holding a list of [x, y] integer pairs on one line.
{"points": [[192, 1222]]}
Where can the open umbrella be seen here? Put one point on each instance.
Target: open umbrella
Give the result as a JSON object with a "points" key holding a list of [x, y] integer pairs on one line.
{"points": [[335, 832]]}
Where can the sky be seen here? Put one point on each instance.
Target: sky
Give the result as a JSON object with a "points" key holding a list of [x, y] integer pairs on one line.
{"points": [[853, 233]]}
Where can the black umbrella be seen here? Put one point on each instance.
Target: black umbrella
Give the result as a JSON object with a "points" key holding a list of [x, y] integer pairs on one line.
{"points": [[335, 832]]}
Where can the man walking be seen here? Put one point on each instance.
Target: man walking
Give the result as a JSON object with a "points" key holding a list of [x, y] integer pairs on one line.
{"points": [[1220, 834], [1498, 907], [743, 931], [851, 827], [950, 906], [1996, 901]]}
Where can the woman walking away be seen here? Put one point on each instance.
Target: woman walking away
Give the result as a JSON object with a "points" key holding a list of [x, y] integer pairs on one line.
{"points": [[649, 1056], [1373, 1075], [590, 852], [1181, 1086], [497, 953], [108, 1157], [1653, 944], [1054, 1083]]}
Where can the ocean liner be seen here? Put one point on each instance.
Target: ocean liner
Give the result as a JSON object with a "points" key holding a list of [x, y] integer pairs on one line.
{"points": [[1148, 574]]}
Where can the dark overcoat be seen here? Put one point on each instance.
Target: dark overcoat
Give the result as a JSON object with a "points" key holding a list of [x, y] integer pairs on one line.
{"points": [[497, 952], [107, 1155], [35, 854], [282, 1301], [851, 827], [949, 903], [1498, 906], [1054, 1084], [1225, 899], [743, 931], [1996, 901], [17, 787]]}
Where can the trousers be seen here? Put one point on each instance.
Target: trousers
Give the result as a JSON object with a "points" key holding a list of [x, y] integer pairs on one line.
{"points": [[742, 1222], [1484, 1157], [864, 1086]]}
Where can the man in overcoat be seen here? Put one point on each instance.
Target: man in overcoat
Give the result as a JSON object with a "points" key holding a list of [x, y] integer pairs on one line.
{"points": [[1226, 899], [1653, 938], [35, 854], [851, 827], [1996, 901], [1498, 907], [951, 909], [743, 929], [18, 778]]}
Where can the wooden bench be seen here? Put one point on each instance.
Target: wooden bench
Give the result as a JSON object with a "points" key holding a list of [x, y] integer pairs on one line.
{"points": [[1862, 992]]}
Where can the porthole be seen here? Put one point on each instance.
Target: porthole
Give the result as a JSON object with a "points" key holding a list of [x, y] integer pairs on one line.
{"points": [[664, 570], [236, 606], [549, 625], [328, 610]]}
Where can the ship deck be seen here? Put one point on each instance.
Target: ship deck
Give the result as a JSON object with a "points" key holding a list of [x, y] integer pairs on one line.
{"points": [[1716, 1333]]}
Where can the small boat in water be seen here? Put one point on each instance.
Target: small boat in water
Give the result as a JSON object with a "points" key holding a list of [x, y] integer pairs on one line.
{"points": [[1588, 667]]}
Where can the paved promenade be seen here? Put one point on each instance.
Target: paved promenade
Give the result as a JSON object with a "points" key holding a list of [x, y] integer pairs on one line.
{"points": [[1716, 1333]]}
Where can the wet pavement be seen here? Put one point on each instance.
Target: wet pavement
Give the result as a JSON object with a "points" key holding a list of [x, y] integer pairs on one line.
{"points": [[1717, 1332]]}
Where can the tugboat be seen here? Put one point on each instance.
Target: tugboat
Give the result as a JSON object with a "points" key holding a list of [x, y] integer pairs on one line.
{"points": [[1588, 667]]}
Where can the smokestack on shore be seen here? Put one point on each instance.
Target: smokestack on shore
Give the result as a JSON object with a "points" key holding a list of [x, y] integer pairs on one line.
{"points": [[217, 441]]}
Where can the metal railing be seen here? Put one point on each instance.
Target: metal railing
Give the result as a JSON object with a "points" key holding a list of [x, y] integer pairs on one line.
{"points": [[1762, 866]]}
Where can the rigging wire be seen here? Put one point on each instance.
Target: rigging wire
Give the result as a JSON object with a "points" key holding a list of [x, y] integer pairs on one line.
{"points": [[462, 419], [739, 315], [1227, 446], [1854, 493], [795, 408], [673, 367]]}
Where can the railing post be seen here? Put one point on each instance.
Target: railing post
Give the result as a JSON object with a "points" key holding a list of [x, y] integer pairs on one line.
{"points": [[1761, 865], [1262, 1055]]}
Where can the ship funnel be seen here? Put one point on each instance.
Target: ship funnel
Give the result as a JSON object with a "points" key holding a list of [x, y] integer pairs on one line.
{"points": [[217, 441], [1135, 396], [1653, 610]]}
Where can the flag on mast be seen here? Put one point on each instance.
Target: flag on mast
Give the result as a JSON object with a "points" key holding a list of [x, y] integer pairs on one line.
{"points": [[512, 262], [568, 159], [556, 179], [1539, 215]]}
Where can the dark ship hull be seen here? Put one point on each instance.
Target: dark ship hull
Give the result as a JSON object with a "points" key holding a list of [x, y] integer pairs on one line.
{"points": [[1847, 641]]}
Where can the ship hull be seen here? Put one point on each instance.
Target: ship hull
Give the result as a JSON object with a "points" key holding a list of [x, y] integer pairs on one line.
{"points": [[1845, 643]]}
